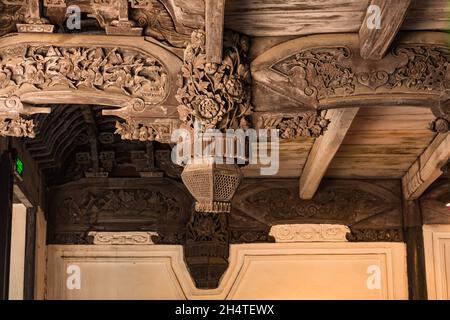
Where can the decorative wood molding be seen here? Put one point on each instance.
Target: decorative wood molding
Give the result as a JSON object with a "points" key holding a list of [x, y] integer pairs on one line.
{"points": [[309, 233], [122, 238], [375, 42], [311, 75], [427, 167], [324, 150]]}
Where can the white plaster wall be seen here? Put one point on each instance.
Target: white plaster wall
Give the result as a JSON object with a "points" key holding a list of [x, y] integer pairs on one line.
{"points": [[437, 261]]}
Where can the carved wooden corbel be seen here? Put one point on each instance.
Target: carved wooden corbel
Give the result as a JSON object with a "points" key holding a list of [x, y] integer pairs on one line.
{"points": [[11, 121]]}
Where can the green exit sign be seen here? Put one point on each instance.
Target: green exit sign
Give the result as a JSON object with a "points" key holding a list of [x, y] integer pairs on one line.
{"points": [[19, 166]]}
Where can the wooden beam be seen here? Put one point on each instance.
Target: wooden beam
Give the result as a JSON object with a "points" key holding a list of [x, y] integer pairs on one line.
{"points": [[427, 168], [214, 19], [376, 39], [324, 150]]}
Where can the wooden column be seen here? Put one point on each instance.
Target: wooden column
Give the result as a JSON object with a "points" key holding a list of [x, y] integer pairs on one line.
{"points": [[415, 250], [6, 187]]}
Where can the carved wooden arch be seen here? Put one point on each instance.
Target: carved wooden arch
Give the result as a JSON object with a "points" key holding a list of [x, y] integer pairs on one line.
{"points": [[327, 71], [133, 74]]}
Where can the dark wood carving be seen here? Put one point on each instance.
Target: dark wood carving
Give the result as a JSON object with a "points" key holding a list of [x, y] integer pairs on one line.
{"points": [[206, 248], [147, 204]]}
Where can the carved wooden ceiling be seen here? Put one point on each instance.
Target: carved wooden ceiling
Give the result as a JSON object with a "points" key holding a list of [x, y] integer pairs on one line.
{"points": [[348, 103]]}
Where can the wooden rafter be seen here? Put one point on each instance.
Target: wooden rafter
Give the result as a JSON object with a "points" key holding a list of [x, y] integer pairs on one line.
{"points": [[324, 150], [376, 40], [427, 168]]}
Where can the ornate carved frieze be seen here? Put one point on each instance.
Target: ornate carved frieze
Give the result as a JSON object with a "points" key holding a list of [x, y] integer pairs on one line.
{"points": [[320, 72], [157, 205], [309, 233], [309, 124], [90, 68], [354, 203], [217, 96], [122, 238]]}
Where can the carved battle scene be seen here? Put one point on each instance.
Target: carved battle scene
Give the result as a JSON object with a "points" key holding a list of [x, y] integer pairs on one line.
{"points": [[93, 112]]}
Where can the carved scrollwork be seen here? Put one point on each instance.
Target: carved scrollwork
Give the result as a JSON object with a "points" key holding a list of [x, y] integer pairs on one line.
{"points": [[218, 96], [321, 72], [307, 124], [313, 75]]}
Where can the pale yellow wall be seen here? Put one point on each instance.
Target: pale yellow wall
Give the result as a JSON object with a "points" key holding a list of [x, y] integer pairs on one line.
{"points": [[17, 258], [437, 261], [256, 271]]}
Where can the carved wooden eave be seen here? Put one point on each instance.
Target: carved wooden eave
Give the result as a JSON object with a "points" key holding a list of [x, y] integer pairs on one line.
{"points": [[133, 74], [327, 71]]}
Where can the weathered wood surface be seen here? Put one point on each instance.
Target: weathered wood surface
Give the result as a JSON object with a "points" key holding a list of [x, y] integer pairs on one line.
{"points": [[427, 168], [382, 142], [302, 17], [214, 18], [324, 149], [375, 39]]}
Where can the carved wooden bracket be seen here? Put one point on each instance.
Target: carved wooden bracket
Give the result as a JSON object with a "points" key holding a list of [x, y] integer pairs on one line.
{"points": [[327, 71]]}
